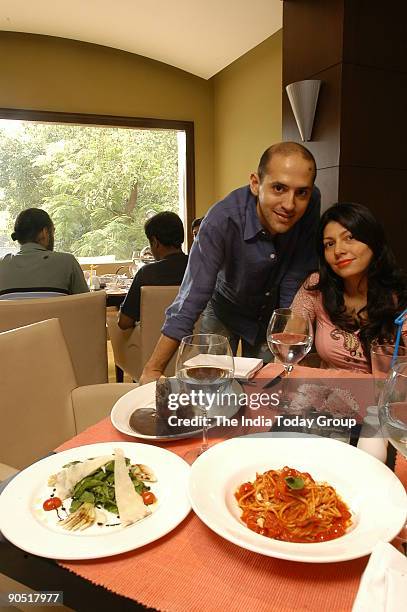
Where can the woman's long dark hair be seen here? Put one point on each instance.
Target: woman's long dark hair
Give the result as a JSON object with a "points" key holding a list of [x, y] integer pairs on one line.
{"points": [[387, 283]]}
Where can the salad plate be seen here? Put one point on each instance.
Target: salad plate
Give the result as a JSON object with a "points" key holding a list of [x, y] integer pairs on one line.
{"points": [[26, 524]]}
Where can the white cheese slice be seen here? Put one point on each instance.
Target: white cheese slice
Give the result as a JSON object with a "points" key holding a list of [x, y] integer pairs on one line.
{"points": [[129, 503]]}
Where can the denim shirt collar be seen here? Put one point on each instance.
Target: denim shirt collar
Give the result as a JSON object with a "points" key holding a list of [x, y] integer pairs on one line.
{"points": [[253, 227]]}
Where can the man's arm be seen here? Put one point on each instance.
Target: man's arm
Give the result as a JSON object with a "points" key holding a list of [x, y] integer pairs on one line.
{"points": [[205, 260], [305, 257], [124, 321], [155, 366]]}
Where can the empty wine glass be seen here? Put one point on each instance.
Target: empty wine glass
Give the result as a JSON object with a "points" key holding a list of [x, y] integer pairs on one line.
{"points": [[289, 337], [393, 417], [204, 364], [134, 266], [381, 356]]}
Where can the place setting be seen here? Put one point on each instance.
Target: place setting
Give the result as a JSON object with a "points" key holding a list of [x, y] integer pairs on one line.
{"points": [[205, 368], [95, 501]]}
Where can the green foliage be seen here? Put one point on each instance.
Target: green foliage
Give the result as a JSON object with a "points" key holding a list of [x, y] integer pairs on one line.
{"points": [[99, 185]]}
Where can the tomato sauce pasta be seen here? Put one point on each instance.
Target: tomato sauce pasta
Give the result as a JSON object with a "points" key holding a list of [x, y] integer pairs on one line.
{"points": [[289, 505]]}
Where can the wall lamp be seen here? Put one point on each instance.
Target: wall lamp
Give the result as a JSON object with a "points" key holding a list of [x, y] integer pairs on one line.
{"points": [[303, 96]]}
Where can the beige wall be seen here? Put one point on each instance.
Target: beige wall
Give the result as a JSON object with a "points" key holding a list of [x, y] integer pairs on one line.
{"points": [[237, 113], [247, 113], [45, 73]]}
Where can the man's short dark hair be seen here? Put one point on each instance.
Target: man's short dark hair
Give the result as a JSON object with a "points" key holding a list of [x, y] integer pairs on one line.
{"points": [[285, 149], [29, 223], [196, 222], [166, 227]]}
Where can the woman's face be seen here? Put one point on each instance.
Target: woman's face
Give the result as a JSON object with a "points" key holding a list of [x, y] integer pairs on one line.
{"points": [[346, 256]]}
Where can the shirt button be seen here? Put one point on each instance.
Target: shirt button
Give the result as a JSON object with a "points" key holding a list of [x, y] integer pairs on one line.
{"points": [[273, 256]]}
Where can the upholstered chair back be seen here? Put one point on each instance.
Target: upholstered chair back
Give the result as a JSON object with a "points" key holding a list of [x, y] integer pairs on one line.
{"points": [[36, 381], [83, 322], [132, 348]]}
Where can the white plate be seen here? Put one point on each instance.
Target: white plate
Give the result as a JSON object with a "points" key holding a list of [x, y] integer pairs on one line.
{"points": [[374, 494], [144, 397], [26, 525]]}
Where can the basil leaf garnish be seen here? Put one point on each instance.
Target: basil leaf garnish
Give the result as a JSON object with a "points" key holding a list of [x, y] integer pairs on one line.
{"points": [[294, 482]]}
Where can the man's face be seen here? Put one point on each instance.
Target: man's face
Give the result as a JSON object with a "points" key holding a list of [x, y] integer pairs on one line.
{"points": [[284, 193], [154, 248]]}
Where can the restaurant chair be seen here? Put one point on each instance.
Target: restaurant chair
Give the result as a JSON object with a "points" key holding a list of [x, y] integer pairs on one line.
{"points": [[6, 471], [42, 404], [30, 295], [133, 347], [83, 322]]}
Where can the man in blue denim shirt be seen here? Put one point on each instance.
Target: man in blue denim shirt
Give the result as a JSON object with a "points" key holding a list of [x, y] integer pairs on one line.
{"points": [[253, 250]]}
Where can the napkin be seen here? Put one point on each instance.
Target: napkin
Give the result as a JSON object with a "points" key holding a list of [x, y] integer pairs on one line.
{"points": [[383, 587], [245, 367]]}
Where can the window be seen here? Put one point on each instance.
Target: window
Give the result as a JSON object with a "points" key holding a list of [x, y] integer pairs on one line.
{"points": [[99, 183]]}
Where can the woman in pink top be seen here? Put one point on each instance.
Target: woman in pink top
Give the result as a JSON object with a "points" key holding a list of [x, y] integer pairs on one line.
{"points": [[359, 289]]}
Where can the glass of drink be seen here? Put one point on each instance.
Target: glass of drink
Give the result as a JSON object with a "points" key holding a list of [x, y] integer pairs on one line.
{"points": [[204, 368], [393, 418], [289, 337], [134, 266], [381, 356]]}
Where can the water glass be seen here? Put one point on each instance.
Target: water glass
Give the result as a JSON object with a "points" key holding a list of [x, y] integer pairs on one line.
{"points": [[289, 337], [393, 419], [381, 357], [204, 364]]}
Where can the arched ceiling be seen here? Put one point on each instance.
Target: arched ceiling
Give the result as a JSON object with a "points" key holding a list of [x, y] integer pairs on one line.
{"points": [[201, 37]]}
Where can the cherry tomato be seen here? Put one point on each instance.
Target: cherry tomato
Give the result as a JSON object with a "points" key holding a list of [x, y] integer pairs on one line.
{"points": [[148, 498], [52, 504]]}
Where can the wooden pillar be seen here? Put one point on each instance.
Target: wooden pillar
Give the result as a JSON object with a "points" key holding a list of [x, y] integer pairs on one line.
{"points": [[358, 49]]}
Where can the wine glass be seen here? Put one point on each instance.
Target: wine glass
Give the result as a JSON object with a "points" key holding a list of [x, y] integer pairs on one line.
{"points": [[204, 364], [133, 267], [381, 356], [289, 337], [393, 417]]}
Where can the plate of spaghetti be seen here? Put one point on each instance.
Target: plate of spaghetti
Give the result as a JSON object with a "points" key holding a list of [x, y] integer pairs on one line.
{"points": [[302, 498], [289, 505]]}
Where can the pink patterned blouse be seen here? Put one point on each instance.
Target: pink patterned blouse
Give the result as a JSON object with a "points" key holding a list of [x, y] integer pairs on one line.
{"points": [[336, 347]]}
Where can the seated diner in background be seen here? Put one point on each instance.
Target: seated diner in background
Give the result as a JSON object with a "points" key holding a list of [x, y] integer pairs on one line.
{"points": [[195, 226], [165, 234], [37, 267], [358, 292]]}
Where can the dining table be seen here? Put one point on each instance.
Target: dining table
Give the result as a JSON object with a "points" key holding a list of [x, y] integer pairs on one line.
{"points": [[192, 568], [114, 297]]}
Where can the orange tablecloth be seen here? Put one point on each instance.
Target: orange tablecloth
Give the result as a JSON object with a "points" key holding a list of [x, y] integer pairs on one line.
{"points": [[193, 569]]}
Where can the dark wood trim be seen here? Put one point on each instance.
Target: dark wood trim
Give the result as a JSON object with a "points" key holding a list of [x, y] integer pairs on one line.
{"points": [[118, 121], [190, 183]]}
